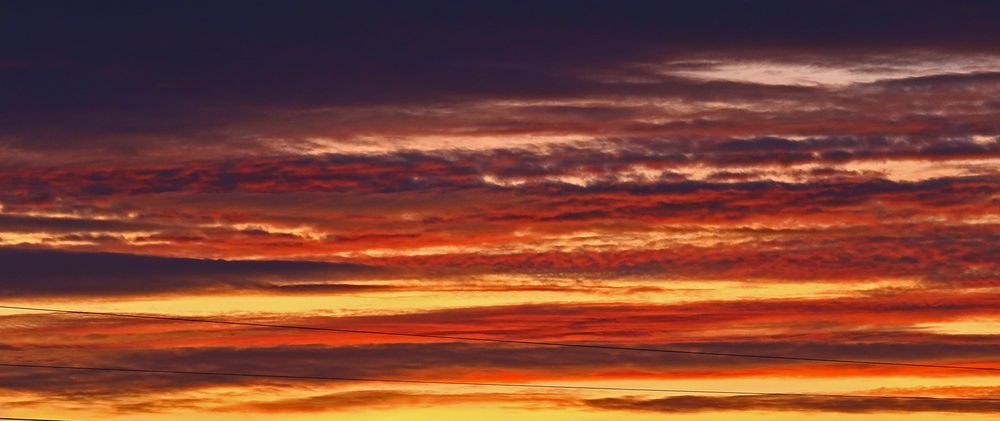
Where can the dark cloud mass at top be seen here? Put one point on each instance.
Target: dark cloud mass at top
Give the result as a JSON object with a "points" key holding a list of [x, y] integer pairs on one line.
{"points": [[203, 76]]}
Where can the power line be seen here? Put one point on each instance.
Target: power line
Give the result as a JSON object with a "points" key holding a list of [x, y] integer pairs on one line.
{"points": [[484, 384], [30, 419], [507, 341]]}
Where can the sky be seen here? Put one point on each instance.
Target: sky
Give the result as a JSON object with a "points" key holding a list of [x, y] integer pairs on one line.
{"points": [[815, 179]]}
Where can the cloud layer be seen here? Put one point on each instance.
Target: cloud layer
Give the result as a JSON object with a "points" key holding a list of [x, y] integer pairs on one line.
{"points": [[818, 179]]}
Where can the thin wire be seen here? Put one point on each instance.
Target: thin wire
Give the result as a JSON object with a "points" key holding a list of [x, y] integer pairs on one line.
{"points": [[30, 419], [507, 341], [461, 383]]}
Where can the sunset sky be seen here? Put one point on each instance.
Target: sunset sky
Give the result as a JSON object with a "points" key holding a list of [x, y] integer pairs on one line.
{"points": [[805, 179]]}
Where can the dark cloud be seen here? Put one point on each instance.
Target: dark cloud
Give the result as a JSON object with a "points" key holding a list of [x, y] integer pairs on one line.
{"points": [[861, 405], [127, 80], [39, 272], [357, 51], [28, 223]]}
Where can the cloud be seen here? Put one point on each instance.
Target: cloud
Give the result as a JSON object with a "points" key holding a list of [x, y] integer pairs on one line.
{"points": [[860, 405], [841, 157], [29, 223], [39, 272], [174, 81], [439, 361], [939, 258], [627, 164], [345, 401]]}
